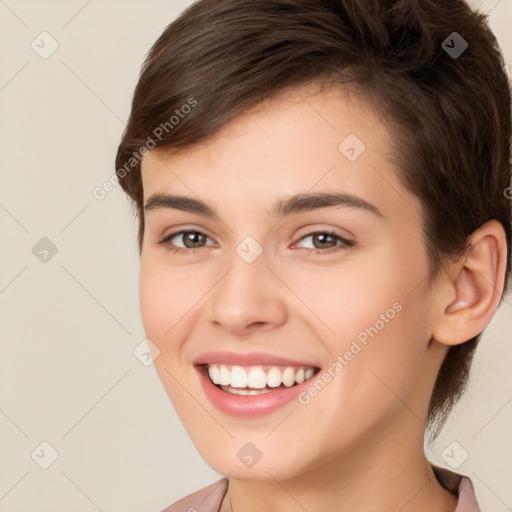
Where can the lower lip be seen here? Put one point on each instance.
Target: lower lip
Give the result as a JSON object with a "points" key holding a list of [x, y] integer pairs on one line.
{"points": [[249, 405]]}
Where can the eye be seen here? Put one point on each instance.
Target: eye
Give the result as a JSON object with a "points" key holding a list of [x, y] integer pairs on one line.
{"points": [[327, 240], [191, 240], [323, 241]]}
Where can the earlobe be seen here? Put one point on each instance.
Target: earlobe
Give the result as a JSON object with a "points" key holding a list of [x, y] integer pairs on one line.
{"points": [[477, 279]]}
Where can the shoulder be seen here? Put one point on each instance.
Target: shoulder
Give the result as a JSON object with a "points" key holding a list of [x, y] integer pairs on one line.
{"points": [[207, 499]]}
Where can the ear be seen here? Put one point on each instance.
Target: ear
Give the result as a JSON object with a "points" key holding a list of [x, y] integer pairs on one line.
{"points": [[473, 287]]}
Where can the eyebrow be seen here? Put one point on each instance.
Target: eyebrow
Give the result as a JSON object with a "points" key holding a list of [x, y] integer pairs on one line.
{"points": [[297, 203]]}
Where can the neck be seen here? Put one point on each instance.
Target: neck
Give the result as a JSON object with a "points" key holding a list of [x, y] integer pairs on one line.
{"points": [[386, 475]]}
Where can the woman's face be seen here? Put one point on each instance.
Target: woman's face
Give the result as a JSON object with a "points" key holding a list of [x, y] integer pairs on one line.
{"points": [[261, 291]]}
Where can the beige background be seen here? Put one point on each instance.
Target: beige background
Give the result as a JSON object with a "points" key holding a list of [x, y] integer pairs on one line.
{"points": [[68, 374]]}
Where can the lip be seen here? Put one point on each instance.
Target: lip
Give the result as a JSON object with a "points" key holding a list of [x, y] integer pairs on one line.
{"points": [[248, 406]]}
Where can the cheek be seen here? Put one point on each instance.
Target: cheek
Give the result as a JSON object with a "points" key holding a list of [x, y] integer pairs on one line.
{"points": [[349, 298], [380, 382], [165, 297], [153, 298], [163, 306], [377, 317], [168, 300], [161, 309]]}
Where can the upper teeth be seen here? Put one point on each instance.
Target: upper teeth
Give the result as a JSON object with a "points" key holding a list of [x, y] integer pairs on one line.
{"points": [[257, 376]]}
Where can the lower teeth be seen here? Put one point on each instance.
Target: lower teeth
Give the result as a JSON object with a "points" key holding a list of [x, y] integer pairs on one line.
{"points": [[245, 391]]}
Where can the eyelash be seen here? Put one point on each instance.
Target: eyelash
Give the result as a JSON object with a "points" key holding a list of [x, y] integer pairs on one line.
{"points": [[345, 244]]}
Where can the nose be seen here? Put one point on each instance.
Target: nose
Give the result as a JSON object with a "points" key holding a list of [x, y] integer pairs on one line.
{"points": [[248, 298]]}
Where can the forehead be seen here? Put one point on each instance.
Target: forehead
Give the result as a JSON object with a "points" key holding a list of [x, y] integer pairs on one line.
{"points": [[301, 140]]}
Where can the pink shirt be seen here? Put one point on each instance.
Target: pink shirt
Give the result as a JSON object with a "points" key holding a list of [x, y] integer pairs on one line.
{"points": [[209, 499]]}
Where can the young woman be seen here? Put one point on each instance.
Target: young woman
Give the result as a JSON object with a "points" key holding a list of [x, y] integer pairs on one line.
{"points": [[323, 196]]}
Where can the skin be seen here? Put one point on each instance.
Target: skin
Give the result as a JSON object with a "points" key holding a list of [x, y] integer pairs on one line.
{"points": [[364, 431]]}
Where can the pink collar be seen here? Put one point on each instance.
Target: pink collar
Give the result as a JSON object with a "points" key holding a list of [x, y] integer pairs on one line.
{"points": [[209, 499]]}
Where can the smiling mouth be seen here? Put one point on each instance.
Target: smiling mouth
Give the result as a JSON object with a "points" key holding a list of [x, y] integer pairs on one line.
{"points": [[257, 380]]}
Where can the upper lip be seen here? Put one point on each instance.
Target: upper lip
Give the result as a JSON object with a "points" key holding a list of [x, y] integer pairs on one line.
{"points": [[248, 359]]}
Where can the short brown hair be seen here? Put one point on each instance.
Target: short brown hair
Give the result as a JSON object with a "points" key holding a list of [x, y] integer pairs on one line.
{"points": [[449, 114]]}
